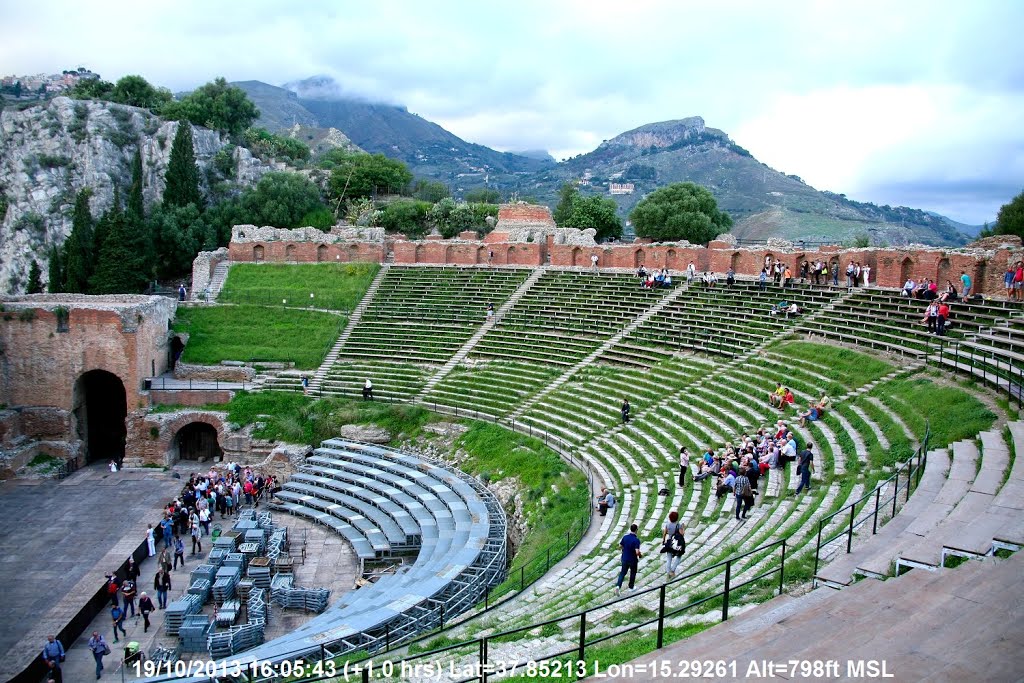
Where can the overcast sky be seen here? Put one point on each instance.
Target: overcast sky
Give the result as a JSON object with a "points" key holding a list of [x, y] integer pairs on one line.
{"points": [[891, 101]]}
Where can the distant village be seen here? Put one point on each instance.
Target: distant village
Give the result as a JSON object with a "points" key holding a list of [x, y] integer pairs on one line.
{"points": [[41, 85]]}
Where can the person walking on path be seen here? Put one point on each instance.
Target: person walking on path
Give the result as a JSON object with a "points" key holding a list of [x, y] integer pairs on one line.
{"points": [[53, 651], [197, 538], [117, 617], [966, 280], [99, 649], [744, 495], [179, 551], [673, 543], [166, 526], [625, 411], [128, 592], [803, 468], [631, 555], [150, 540], [162, 584], [684, 464], [367, 390], [145, 607]]}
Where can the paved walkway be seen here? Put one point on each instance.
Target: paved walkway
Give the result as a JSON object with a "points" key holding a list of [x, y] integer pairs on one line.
{"points": [[963, 624], [58, 540]]}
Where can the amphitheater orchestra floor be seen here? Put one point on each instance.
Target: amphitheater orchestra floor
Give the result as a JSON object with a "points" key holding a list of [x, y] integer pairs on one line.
{"points": [[330, 563], [57, 541], [963, 624]]}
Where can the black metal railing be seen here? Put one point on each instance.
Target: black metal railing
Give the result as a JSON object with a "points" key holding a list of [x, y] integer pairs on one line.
{"points": [[910, 470], [988, 366]]}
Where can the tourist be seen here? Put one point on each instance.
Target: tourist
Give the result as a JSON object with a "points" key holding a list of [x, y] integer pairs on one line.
{"points": [[787, 399], [625, 411], [726, 479], [196, 532], [605, 501], [128, 592], [673, 543], [684, 465], [163, 560], [99, 649], [1018, 280], [865, 273], [181, 295], [112, 466], [631, 555], [775, 397], [150, 541], [113, 588], [179, 551], [367, 390], [593, 261], [804, 467], [941, 318], [162, 584], [805, 269], [835, 274], [788, 277], [691, 272], [849, 274], [132, 570], [950, 293], [53, 651], [305, 384], [145, 607], [762, 280], [744, 495], [1008, 281], [117, 618], [730, 277], [931, 315], [966, 280], [908, 287], [811, 414], [490, 312]]}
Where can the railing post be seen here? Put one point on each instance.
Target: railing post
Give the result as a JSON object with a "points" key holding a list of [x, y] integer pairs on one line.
{"points": [[483, 660], [782, 568], [387, 637], [583, 636], [849, 533], [878, 496], [817, 547], [522, 577], [323, 655], [909, 480], [366, 674], [895, 492], [487, 598], [661, 617], [547, 564], [725, 596]]}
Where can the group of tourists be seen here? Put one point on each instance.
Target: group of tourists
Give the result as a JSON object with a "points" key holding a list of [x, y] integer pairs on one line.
{"points": [[654, 279], [1013, 281]]}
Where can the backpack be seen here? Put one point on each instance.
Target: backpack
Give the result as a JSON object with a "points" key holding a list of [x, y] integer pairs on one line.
{"points": [[676, 544], [111, 588]]}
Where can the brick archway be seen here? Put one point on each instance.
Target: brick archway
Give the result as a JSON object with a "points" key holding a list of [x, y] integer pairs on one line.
{"points": [[171, 436]]}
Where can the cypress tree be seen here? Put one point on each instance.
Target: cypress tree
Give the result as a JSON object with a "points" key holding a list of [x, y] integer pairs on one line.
{"points": [[79, 248], [121, 266], [55, 271], [182, 179], [35, 284], [135, 203]]}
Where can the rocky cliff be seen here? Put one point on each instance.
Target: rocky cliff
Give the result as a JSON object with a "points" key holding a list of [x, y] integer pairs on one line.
{"points": [[50, 152]]}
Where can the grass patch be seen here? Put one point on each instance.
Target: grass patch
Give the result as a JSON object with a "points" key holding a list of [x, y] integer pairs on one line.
{"points": [[335, 286], [953, 414], [849, 368], [954, 561], [555, 495], [254, 333], [1003, 553], [44, 461]]}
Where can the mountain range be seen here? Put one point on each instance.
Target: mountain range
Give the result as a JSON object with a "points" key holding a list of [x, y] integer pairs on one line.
{"points": [[763, 202]]}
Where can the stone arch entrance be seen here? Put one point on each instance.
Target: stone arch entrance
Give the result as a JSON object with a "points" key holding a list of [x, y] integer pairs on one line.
{"points": [[449, 255], [639, 257], [257, 253], [321, 253], [577, 257], [670, 259], [481, 255], [943, 272], [734, 261], [289, 252], [100, 408], [197, 441], [177, 346]]}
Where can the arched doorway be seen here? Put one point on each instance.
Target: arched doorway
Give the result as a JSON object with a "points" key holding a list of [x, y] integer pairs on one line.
{"points": [[639, 257], [734, 261], [906, 270], [421, 253], [100, 408], [289, 252], [449, 255], [670, 258], [577, 257], [321, 253], [943, 273], [197, 441], [257, 253]]}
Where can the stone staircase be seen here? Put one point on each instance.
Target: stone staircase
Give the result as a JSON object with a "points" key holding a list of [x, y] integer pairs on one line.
{"points": [[212, 291], [608, 344], [318, 377], [488, 325]]}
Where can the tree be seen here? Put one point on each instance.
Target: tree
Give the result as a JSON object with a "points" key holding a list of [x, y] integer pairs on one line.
{"points": [[215, 105], [451, 218], [136, 205], [430, 191], [407, 216], [35, 284], [600, 213], [280, 199], [182, 178], [121, 266], [179, 233], [366, 175], [566, 196], [79, 247], [1010, 219], [483, 195], [92, 89], [681, 211], [55, 271], [137, 92], [263, 143]]}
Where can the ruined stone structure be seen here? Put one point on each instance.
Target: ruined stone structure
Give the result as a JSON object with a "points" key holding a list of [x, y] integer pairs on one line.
{"points": [[526, 235], [72, 369]]}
